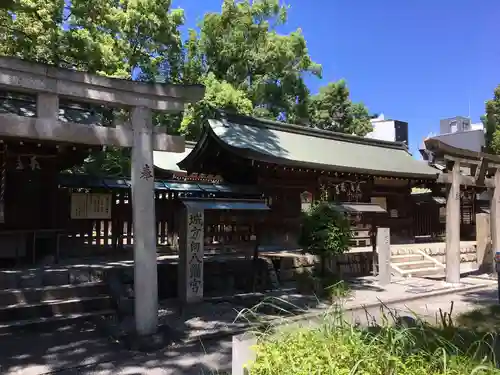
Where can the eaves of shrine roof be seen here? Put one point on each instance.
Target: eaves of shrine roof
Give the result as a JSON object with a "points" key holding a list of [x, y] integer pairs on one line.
{"points": [[299, 146], [167, 161]]}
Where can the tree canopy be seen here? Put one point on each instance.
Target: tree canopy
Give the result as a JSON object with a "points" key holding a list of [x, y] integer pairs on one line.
{"points": [[492, 122], [246, 64], [332, 109], [99, 36]]}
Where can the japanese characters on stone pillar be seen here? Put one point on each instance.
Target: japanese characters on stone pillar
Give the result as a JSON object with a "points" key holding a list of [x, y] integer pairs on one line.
{"points": [[3, 175], [191, 259], [453, 226], [384, 255], [143, 203]]}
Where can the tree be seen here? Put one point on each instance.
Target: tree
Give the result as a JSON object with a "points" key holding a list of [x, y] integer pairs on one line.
{"points": [[218, 95], [332, 109], [98, 36], [107, 37], [491, 122], [240, 47], [246, 65]]}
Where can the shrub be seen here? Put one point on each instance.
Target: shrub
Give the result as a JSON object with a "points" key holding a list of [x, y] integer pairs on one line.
{"points": [[325, 231], [335, 347]]}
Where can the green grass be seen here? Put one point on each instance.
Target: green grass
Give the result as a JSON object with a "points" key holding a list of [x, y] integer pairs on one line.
{"points": [[386, 348], [484, 319], [328, 286]]}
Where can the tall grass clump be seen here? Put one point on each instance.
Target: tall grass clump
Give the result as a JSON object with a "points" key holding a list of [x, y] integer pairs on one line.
{"points": [[388, 347]]}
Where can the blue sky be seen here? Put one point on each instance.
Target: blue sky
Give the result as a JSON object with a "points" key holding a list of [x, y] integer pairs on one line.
{"points": [[413, 60]]}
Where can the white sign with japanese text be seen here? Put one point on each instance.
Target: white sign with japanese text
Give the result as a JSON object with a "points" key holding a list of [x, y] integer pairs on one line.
{"points": [[91, 206], [194, 253]]}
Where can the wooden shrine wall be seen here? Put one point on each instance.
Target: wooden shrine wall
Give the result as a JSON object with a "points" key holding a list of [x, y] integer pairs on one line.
{"points": [[429, 218], [224, 231], [286, 192], [399, 206]]}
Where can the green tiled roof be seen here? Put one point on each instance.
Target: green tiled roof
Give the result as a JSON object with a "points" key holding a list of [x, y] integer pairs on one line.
{"points": [[292, 145], [167, 161]]}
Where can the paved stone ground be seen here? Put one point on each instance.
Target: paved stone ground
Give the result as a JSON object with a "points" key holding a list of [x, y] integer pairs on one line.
{"points": [[221, 315], [83, 350]]}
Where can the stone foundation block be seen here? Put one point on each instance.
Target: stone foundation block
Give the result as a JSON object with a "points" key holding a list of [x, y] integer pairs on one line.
{"points": [[79, 276], [55, 277], [9, 280], [31, 280], [97, 275]]}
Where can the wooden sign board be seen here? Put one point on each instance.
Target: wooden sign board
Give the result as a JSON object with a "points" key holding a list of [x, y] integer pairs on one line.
{"points": [[91, 206]]}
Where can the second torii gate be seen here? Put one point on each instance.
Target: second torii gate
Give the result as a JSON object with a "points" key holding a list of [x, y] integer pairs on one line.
{"points": [[468, 168]]}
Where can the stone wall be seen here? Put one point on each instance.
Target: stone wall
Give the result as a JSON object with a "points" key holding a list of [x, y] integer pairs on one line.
{"points": [[346, 265], [222, 277], [437, 250], [225, 275], [359, 262]]}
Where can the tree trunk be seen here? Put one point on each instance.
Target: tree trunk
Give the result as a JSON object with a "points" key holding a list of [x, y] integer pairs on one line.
{"points": [[323, 265]]}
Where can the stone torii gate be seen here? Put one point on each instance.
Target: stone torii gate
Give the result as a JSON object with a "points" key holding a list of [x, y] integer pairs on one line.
{"points": [[468, 168], [49, 84]]}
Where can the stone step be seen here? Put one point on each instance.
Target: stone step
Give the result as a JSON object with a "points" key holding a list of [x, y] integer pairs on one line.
{"points": [[47, 276], [67, 322], [406, 258], [48, 309], [402, 251], [421, 272], [34, 295], [416, 265]]}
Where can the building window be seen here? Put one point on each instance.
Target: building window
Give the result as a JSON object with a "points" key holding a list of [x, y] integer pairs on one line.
{"points": [[442, 214], [453, 127]]}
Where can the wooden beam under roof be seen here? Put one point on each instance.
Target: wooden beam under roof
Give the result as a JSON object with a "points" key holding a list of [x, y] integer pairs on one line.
{"points": [[480, 172], [463, 156], [445, 178], [52, 130]]}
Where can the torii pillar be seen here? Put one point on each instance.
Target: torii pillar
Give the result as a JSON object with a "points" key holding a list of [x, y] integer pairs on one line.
{"points": [[453, 225], [495, 215]]}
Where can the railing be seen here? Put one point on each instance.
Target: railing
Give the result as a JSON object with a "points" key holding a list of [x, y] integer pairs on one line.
{"points": [[430, 259]]}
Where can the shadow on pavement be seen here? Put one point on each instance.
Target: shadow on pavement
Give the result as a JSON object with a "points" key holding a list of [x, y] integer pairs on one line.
{"points": [[81, 349]]}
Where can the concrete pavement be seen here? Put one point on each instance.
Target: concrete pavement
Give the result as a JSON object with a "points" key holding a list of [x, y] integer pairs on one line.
{"points": [[83, 350], [215, 355]]}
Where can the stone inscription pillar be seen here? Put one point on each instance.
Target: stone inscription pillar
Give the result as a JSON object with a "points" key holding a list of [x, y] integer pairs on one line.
{"points": [[191, 254], [243, 354], [143, 208], [483, 243], [453, 227], [384, 255]]}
